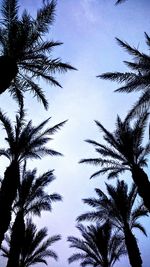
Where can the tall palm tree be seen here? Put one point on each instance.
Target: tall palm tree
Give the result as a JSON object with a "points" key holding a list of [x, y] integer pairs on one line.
{"points": [[32, 199], [119, 208], [25, 54], [25, 141], [99, 246], [124, 151], [35, 248], [138, 79]]}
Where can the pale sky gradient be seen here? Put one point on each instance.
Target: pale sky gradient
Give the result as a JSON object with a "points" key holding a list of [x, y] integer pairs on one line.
{"points": [[88, 29]]}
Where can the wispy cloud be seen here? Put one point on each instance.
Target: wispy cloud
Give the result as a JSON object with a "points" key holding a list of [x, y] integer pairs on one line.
{"points": [[86, 12], [89, 10]]}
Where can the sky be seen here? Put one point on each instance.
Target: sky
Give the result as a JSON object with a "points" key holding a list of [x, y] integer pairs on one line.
{"points": [[87, 29]]}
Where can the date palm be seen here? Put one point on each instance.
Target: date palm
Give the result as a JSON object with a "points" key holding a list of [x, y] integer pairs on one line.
{"points": [[25, 141], [25, 53], [137, 79], [31, 200], [119, 207], [36, 248], [124, 151], [99, 246]]}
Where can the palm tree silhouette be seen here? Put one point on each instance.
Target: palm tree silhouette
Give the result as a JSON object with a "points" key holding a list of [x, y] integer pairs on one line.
{"points": [[119, 208], [124, 151], [25, 53], [35, 248], [25, 141], [32, 199], [138, 79], [99, 246]]}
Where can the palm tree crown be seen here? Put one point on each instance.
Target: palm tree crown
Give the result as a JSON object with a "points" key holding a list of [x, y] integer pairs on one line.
{"points": [[25, 52], [124, 151], [136, 80], [31, 199], [36, 248], [123, 147], [120, 210], [119, 207], [99, 246], [25, 140]]}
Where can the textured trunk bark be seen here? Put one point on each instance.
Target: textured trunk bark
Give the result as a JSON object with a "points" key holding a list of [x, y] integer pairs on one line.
{"points": [[132, 248], [7, 195], [143, 185], [16, 242], [8, 71]]}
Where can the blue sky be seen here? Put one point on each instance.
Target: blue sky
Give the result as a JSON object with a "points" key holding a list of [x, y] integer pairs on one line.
{"points": [[88, 29]]}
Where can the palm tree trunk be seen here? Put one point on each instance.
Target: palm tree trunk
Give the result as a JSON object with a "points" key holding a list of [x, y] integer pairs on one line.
{"points": [[132, 248], [7, 195], [8, 71], [143, 185], [16, 242]]}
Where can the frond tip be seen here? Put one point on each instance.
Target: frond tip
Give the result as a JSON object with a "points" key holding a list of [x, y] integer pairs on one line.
{"points": [[120, 2]]}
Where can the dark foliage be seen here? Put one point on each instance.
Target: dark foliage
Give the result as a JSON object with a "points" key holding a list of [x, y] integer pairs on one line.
{"points": [[25, 53], [124, 151], [35, 248], [119, 208], [99, 246], [31, 199], [25, 141], [138, 79]]}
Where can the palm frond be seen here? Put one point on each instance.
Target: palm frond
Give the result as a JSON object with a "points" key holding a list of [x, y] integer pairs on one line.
{"points": [[131, 50], [108, 136], [120, 2], [45, 17], [9, 11], [118, 77], [138, 212], [140, 227], [92, 217], [7, 126], [76, 257], [141, 106], [55, 128], [41, 152], [16, 92], [147, 39], [37, 91]]}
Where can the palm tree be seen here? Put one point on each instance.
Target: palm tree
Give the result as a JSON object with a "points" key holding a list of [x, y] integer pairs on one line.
{"points": [[31, 199], [99, 246], [35, 248], [135, 80], [25, 141], [120, 210], [25, 54], [124, 151]]}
